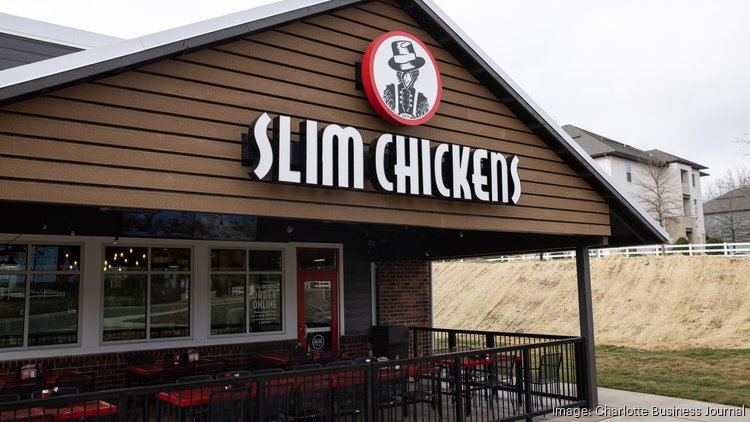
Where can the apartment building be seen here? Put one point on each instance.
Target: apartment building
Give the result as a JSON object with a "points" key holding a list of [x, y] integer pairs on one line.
{"points": [[668, 187]]}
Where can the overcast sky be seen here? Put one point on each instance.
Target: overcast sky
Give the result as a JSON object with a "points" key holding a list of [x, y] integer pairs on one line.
{"points": [[666, 74]]}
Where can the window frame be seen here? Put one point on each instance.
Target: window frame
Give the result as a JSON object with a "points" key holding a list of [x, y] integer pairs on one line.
{"points": [[247, 273], [29, 274], [149, 272]]}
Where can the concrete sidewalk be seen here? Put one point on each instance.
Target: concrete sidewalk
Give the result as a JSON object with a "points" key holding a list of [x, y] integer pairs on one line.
{"points": [[618, 405]]}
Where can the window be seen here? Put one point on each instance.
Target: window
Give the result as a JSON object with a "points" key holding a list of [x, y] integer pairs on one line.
{"points": [[39, 295], [629, 172], [146, 293], [693, 176], [245, 291]]}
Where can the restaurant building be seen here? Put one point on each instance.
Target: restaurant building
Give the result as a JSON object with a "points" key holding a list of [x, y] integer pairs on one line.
{"points": [[274, 177]]}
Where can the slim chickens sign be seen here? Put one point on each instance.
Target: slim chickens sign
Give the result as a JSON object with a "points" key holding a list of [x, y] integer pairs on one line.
{"points": [[401, 79], [403, 84]]}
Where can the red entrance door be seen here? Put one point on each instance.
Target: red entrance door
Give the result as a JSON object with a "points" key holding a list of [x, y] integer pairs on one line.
{"points": [[317, 298]]}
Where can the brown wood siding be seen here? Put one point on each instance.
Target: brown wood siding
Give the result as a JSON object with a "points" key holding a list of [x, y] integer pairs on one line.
{"points": [[168, 135]]}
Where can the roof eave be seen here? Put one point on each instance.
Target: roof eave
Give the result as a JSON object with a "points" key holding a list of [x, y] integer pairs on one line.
{"points": [[36, 78]]}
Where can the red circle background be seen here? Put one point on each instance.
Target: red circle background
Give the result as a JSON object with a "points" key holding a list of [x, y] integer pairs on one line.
{"points": [[368, 80]]}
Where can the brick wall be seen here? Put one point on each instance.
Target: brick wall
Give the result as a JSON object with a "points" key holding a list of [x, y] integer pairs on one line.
{"points": [[355, 345], [403, 289], [109, 368]]}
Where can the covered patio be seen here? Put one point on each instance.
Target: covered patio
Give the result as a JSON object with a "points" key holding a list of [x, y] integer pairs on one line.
{"points": [[454, 376]]}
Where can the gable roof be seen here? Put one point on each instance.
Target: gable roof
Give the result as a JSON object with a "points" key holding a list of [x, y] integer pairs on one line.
{"points": [[734, 200], [50, 33], [600, 146], [630, 225], [24, 40]]}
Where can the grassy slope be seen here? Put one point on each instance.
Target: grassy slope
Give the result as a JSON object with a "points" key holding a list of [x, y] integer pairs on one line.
{"points": [[649, 303], [682, 324]]}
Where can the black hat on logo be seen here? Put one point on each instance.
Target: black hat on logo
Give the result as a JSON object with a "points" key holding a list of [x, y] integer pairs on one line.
{"points": [[404, 58]]}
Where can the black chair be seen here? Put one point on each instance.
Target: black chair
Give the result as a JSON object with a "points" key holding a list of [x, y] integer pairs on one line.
{"points": [[351, 398], [23, 388], [172, 372], [339, 363], [275, 400], [268, 371], [83, 382], [194, 378], [546, 375], [425, 388], [327, 357], [300, 358], [312, 400], [498, 381], [10, 397], [233, 405], [391, 389], [308, 366]]}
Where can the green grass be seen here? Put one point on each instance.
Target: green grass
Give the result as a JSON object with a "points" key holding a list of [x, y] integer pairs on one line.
{"points": [[711, 375]]}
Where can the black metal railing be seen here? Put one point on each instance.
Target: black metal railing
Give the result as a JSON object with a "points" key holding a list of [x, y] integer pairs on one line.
{"points": [[425, 341], [472, 382]]}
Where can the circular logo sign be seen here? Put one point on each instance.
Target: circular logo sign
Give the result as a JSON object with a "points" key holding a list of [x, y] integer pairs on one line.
{"points": [[318, 342], [401, 79]]}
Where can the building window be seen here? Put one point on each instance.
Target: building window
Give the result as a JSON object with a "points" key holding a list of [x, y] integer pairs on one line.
{"points": [[39, 295], [245, 291], [693, 176], [629, 172], [146, 293]]}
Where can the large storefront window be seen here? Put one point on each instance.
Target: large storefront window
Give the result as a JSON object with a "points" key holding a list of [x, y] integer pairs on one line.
{"points": [[39, 295], [245, 291], [146, 293]]}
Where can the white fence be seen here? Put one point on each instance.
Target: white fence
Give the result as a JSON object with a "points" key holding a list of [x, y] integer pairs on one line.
{"points": [[723, 249]]}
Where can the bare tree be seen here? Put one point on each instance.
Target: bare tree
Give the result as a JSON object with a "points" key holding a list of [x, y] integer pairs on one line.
{"points": [[727, 211], [659, 191], [737, 177]]}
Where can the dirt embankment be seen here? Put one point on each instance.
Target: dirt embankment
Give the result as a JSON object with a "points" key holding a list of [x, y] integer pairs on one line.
{"points": [[674, 302]]}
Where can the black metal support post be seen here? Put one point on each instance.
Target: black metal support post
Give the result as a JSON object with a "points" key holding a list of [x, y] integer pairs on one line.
{"points": [[586, 321]]}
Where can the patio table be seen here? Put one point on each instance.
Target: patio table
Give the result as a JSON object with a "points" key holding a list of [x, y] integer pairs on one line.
{"points": [[21, 414], [155, 371], [49, 377], [81, 410]]}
